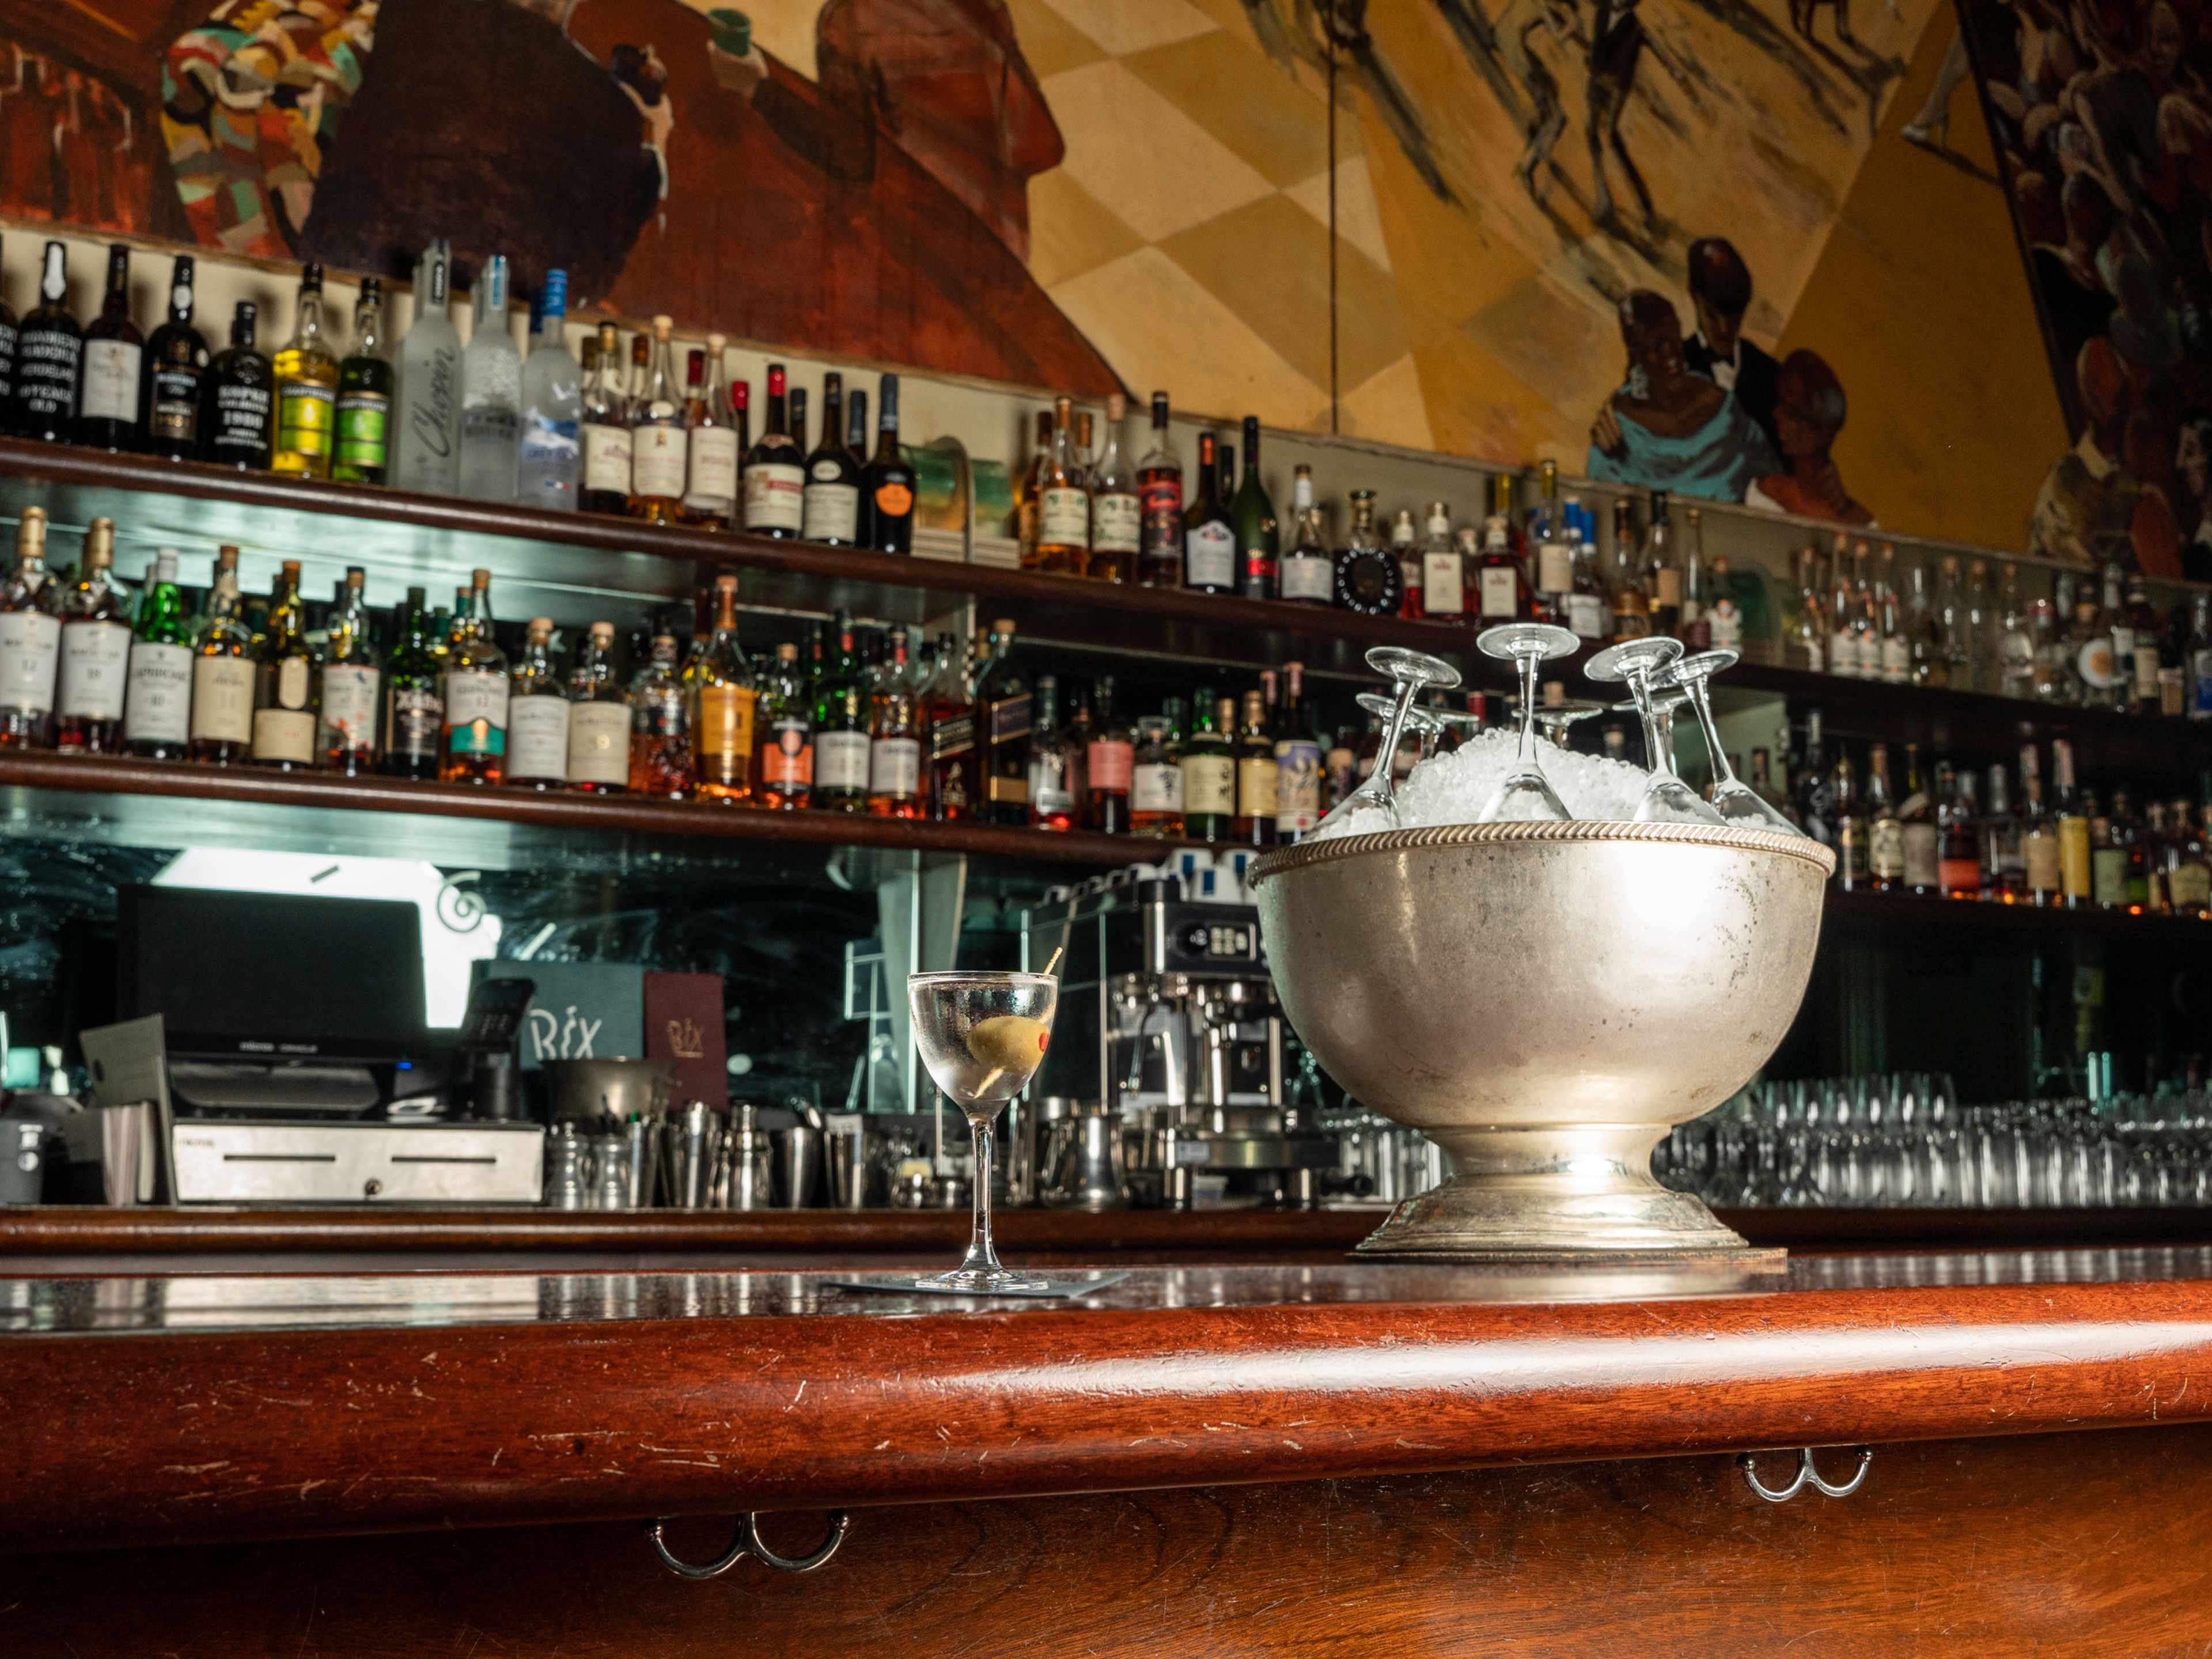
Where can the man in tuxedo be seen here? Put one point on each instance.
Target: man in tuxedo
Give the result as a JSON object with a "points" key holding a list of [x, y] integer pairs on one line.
{"points": [[1720, 294]]}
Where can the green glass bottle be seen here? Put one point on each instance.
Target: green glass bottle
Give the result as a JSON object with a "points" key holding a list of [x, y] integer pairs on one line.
{"points": [[842, 708], [1209, 769], [1252, 515], [158, 698], [414, 701], [365, 382]]}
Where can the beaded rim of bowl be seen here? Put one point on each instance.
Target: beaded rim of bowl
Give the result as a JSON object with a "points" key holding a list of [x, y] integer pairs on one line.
{"points": [[1284, 859]]}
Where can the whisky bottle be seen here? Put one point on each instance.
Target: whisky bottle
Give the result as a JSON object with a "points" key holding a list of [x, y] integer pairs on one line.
{"points": [[1004, 717], [841, 714], [307, 389], [157, 697], [1055, 781], [895, 738], [1209, 770], [1155, 780], [364, 451], [607, 432], [7, 342], [114, 359], [49, 359], [1958, 842], [1854, 868], [30, 640], [238, 414], [776, 470], [491, 392], [223, 673], [1028, 498], [1368, 579], [414, 697], [659, 442], [284, 681], [1629, 596], [1117, 510], [2075, 889], [1923, 835], [95, 652], [598, 717], [1258, 792], [1209, 540], [1063, 505], [549, 462], [948, 712], [785, 717], [1159, 505], [474, 691], [660, 726], [174, 383], [715, 448], [537, 715], [726, 702], [350, 685], [1885, 828], [888, 482], [1663, 576], [2038, 835]]}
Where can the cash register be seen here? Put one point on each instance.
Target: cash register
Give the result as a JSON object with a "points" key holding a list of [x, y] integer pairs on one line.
{"points": [[285, 1042]]}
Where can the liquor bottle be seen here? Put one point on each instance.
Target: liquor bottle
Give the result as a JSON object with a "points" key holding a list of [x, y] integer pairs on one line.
{"points": [[49, 359], [1209, 770], [1501, 580], [1259, 535], [1723, 617], [157, 699], [1443, 569], [2189, 865], [1662, 574], [537, 715], [1951, 629], [1555, 574], [1921, 831], [1159, 504], [1155, 781], [1815, 786], [1404, 550], [549, 457], [606, 431], [172, 384], [1063, 505], [1116, 506], [7, 342], [1842, 612], [948, 716], [841, 714], [785, 717], [2015, 646], [1894, 649], [1696, 627], [1297, 760], [284, 681], [1055, 780], [1958, 843], [2038, 835], [491, 392], [1209, 540], [715, 455], [1258, 775], [2197, 658], [1854, 866], [661, 725], [2115, 858], [725, 700], [830, 503], [414, 696], [475, 692], [1885, 829], [1589, 611], [1628, 593], [887, 484], [775, 471], [238, 412], [2143, 636], [1003, 717], [598, 717], [30, 640], [2075, 889], [350, 686], [1309, 573], [1927, 643], [362, 453], [2004, 864], [427, 449], [1109, 755], [1368, 579], [219, 729], [1981, 629], [95, 652], [894, 742], [659, 443], [1028, 496], [856, 446], [113, 363], [307, 389]]}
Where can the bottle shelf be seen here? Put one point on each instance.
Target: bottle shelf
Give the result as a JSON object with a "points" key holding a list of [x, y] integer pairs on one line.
{"points": [[1887, 911]]}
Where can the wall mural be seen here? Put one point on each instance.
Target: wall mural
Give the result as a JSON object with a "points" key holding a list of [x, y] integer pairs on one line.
{"points": [[1499, 228]]}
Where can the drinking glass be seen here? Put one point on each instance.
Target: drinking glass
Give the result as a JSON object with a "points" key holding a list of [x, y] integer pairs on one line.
{"points": [[1667, 799], [1424, 725], [1558, 719], [1666, 703], [1410, 670], [1736, 801], [1525, 795], [983, 1036]]}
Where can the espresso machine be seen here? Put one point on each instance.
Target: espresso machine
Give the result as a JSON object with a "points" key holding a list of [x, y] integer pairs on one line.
{"points": [[1168, 1025]]}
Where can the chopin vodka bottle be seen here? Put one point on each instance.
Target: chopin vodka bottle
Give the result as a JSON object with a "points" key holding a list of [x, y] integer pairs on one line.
{"points": [[427, 453]]}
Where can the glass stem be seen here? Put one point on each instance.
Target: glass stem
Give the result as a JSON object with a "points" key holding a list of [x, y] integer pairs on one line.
{"points": [[982, 1258], [1639, 686], [1716, 757], [1526, 758], [1386, 757]]}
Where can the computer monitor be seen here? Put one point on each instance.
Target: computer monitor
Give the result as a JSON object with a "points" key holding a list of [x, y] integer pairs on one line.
{"points": [[272, 975]]}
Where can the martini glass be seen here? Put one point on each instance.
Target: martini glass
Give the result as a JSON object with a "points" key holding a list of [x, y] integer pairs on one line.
{"points": [[1411, 670], [1525, 795], [1424, 723], [1558, 718], [1667, 799], [1736, 801], [983, 1036]]}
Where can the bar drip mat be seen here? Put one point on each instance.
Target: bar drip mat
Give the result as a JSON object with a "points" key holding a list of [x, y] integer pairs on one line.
{"points": [[1042, 1287]]}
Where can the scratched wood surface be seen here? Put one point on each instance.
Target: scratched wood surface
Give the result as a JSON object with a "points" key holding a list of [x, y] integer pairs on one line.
{"points": [[2087, 1544]]}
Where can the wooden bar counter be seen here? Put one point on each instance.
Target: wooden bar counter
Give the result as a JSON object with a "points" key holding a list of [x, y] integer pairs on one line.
{"points": [[1326, 1458]]}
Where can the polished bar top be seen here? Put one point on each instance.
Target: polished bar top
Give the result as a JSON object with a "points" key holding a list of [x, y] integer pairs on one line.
{"points": [[193, 1407]]}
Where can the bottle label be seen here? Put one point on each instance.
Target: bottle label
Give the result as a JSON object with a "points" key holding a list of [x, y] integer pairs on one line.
{"points": [[2145, 656], [787, 761], [775, 495], [1209, 785], [2039, 853], [364, 425], [30, 654], [95, 657], [414, 723], [7, 360], [476, 712], [1555, 567], [1209, 556], [658, 460], [1117, 523], [1308, 576], [1159, 504], [724, 738], [349, 699], [2189, 886], [1067, 518], [951, 736], [537, 737], [714, 468], [1107, 762], [894, 767], [1501, 597], [305, 412], [1667, 588], [831, 511], [549, 461], [2093, 662], [598, 743], [1843, 652], [841, 760], [241, 423], [284, 734], [1586, 615], [2074, 857], [46, 362], [1156, 786], [1443, 583], [1896, 659], [2108, 876], [111, 379], [1297, 785], [894, 498], [429, 414], [1727, 623], [607, 460], [222, 700], [1009, 719], [1051, 791], [158, 707], [1920, 845], [1256, 793], [1886, 849], [1960, 875], [174, 411]]}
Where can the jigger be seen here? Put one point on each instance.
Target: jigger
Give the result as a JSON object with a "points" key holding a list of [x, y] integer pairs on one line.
{"points": [[1410, 670]]}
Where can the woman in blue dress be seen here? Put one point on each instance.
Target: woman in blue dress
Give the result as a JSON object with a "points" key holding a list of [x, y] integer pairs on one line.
{"points": [[1666, 428]]}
